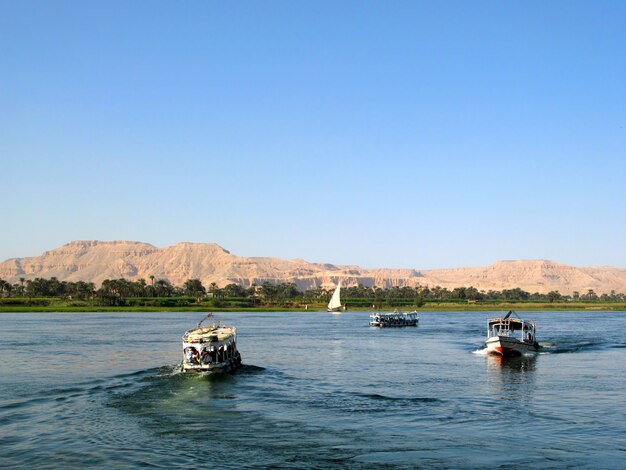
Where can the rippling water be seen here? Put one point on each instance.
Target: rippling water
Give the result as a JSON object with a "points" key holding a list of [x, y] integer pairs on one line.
{"points": [[317, 391]]}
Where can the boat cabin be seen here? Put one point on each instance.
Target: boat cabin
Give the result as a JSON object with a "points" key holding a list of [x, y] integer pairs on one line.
{"points": [[396, 318], [512, 326], [209, 348]]}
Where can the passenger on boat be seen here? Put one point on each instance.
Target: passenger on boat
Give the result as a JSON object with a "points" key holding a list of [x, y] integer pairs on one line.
{"points": [[192, 355], [206, 356]]}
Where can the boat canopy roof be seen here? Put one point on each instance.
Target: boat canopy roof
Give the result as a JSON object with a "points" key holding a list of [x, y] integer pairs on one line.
{"points": [[513, 321], [211, 333], [395, 313]]}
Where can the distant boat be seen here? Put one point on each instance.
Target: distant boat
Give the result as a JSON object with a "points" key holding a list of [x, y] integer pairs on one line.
{"points": [[394, 319], [511, 336], [334, 305]]}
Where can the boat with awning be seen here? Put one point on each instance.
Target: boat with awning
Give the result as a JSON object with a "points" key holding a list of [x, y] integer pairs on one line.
{"points": [[511, 336], [394, 319], [211, 348]]}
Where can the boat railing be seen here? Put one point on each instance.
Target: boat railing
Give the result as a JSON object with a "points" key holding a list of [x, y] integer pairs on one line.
{"points": [[503, 328], [211, 354]]}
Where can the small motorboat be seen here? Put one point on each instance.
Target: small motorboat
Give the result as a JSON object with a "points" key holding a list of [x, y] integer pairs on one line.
{"points": [[511, 336], [394, 319], [211, 348]]}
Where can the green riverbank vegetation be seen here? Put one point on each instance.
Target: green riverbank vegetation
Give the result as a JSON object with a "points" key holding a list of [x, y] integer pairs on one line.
{"points": [[159, 294]]}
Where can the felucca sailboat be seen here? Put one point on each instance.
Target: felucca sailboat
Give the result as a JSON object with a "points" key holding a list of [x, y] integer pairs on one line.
{"points": [[334, 305]]}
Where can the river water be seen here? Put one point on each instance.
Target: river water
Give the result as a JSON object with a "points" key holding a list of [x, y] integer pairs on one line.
{"points": [[101, 390]]}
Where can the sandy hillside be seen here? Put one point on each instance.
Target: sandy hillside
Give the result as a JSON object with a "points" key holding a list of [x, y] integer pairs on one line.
{"points": [[95, 261]]}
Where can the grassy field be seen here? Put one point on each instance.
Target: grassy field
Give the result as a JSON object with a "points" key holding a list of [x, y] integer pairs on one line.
{"points": [[61, 305]]}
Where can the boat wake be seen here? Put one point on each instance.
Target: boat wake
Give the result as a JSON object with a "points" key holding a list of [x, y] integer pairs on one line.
{"points": [[250, 369], [377, 396], [574, 345], [566, 346], [125, 383]]}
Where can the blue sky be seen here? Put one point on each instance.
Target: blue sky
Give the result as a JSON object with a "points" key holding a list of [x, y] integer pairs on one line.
{"points": [[396, 134]]}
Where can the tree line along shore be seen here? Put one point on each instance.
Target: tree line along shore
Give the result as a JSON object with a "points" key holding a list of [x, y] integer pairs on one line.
{"points": [[159, 294]]}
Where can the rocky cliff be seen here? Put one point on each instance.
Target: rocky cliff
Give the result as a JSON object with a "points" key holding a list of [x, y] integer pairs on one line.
{"points": [[95, 261]]}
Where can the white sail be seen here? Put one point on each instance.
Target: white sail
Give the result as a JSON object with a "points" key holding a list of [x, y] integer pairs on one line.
{"points": [[335, 301]]}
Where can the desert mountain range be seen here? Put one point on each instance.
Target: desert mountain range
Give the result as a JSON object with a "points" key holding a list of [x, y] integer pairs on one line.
{"points": [[94, 261]]}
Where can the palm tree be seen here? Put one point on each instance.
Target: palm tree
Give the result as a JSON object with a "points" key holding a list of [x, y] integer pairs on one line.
{"points": [[214, 290], [22, 285], [4, 285], [141, 284]]}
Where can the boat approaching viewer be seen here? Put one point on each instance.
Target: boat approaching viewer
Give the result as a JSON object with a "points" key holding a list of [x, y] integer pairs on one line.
{"points": [[511, 336], [210, 348], [394, 319]]}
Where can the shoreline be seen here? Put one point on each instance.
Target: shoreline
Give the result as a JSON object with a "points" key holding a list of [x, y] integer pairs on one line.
{"points": [[442, 307]]}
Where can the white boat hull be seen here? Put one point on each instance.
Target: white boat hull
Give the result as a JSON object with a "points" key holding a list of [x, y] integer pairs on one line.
{"points": [[508, 346]]}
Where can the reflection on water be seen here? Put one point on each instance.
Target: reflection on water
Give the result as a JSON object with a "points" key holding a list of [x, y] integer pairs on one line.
{"points": [[504, 364], [512, 378]]}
